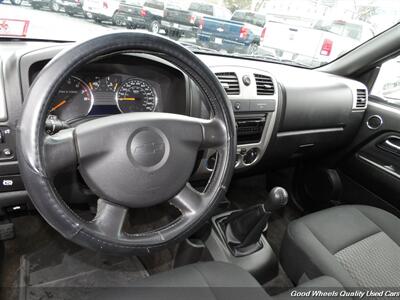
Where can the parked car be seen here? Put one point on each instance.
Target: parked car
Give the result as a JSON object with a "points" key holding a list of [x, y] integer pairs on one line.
{"points": [[179, 21], [73, 7], [54, 5], [242, 33], [103, 10], [324, 41], [137, 14], [14, 2]]}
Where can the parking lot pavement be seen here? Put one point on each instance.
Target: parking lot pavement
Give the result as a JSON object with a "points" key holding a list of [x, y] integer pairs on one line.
{"points": [[45, 24]]}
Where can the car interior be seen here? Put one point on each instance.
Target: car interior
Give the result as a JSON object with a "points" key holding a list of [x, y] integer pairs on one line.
{"points": [[135, 168]]}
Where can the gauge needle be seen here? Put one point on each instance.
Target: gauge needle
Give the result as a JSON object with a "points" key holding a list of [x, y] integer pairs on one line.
{"points": [[58, 105], [127, 99]]}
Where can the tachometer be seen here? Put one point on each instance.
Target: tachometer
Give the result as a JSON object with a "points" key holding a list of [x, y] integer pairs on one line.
{"points": [[136, 95], [73, 100]]}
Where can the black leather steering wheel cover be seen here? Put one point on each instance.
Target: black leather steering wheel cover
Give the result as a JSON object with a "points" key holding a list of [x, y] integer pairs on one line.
{"points": [[31, 134]]}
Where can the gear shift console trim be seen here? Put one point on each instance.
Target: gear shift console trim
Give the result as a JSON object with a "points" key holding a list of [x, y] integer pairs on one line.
{"points": [[262, 263], [237, 237], [233, 244]]}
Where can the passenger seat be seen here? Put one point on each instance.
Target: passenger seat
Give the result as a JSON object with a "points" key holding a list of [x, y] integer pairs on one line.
{"points": [[357, 245]]}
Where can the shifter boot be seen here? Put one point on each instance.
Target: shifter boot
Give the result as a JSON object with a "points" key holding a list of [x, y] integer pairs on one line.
{"points": [[243, 229]]}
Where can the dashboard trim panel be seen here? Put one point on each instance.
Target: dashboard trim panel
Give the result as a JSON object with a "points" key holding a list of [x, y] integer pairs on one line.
{"points": [[311, 131], [3, 105]]}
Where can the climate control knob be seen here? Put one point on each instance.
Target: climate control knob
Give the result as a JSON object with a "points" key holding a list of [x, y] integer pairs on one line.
{"points": [[250, 156]]}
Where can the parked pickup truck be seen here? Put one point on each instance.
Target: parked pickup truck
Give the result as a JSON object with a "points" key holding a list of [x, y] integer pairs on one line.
{"points": [[73, 7], [103, 10], [137, 14], [54, 5], [179, 21], [324, 41], [242, 33]]}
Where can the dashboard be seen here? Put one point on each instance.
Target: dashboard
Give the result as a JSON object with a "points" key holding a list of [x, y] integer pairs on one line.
{"points": [[282, 113]]}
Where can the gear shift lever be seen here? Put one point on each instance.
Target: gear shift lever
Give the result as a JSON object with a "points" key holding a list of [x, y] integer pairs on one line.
{"points": [[277, 198], [243, 229]]}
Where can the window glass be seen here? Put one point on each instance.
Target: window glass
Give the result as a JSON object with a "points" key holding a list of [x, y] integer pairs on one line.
{"points": [[387, 85], [342, 28], [249, 17], [304, 33], [222, 13], [202, 8], [154, 4]]}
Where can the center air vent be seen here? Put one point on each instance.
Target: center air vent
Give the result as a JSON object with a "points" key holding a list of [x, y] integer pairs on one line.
{"points": [[361, 98], [229, 82], [264, 83]]}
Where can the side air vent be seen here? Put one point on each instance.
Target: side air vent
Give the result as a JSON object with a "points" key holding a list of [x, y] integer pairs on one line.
{"points": [[229, 82], [361, 101], [264, 83]]}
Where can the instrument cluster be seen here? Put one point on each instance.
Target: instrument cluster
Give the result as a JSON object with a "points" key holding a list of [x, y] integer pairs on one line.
{"points": [[83, 95]]}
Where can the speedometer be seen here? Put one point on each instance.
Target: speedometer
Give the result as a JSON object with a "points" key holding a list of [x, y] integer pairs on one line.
{"points": [[136, 95]]}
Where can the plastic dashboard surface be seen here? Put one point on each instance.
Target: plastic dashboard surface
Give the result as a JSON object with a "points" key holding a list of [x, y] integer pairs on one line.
{"points": [[311, 111]]}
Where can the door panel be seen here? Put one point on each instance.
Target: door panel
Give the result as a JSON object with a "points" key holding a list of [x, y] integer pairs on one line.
{"points": [[375, 159]]}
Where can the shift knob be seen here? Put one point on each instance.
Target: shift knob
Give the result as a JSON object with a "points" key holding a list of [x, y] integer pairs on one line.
{"points": [[277, 198]]}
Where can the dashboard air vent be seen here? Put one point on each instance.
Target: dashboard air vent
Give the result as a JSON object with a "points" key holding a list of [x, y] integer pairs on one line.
{"points": [[264, 83], [361, 98], [229, 82]]}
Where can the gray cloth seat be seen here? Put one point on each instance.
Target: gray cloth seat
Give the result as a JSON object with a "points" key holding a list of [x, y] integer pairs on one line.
{"points": [[205, 281], [200, 281], [357, 245]]}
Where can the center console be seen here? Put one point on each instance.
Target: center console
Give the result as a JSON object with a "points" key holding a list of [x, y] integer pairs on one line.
{"points": [[254, 97]]}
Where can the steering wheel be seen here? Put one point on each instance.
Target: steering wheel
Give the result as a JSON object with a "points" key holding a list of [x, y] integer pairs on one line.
{"points": [[128, 160]]}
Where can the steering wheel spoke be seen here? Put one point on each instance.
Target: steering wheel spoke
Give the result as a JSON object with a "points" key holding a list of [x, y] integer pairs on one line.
{"points": [[214, 134], [109, 218], [60, 152], [188, 200]]}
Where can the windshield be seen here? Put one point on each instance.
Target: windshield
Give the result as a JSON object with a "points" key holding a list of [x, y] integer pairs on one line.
{"points": [[306, 33]]}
